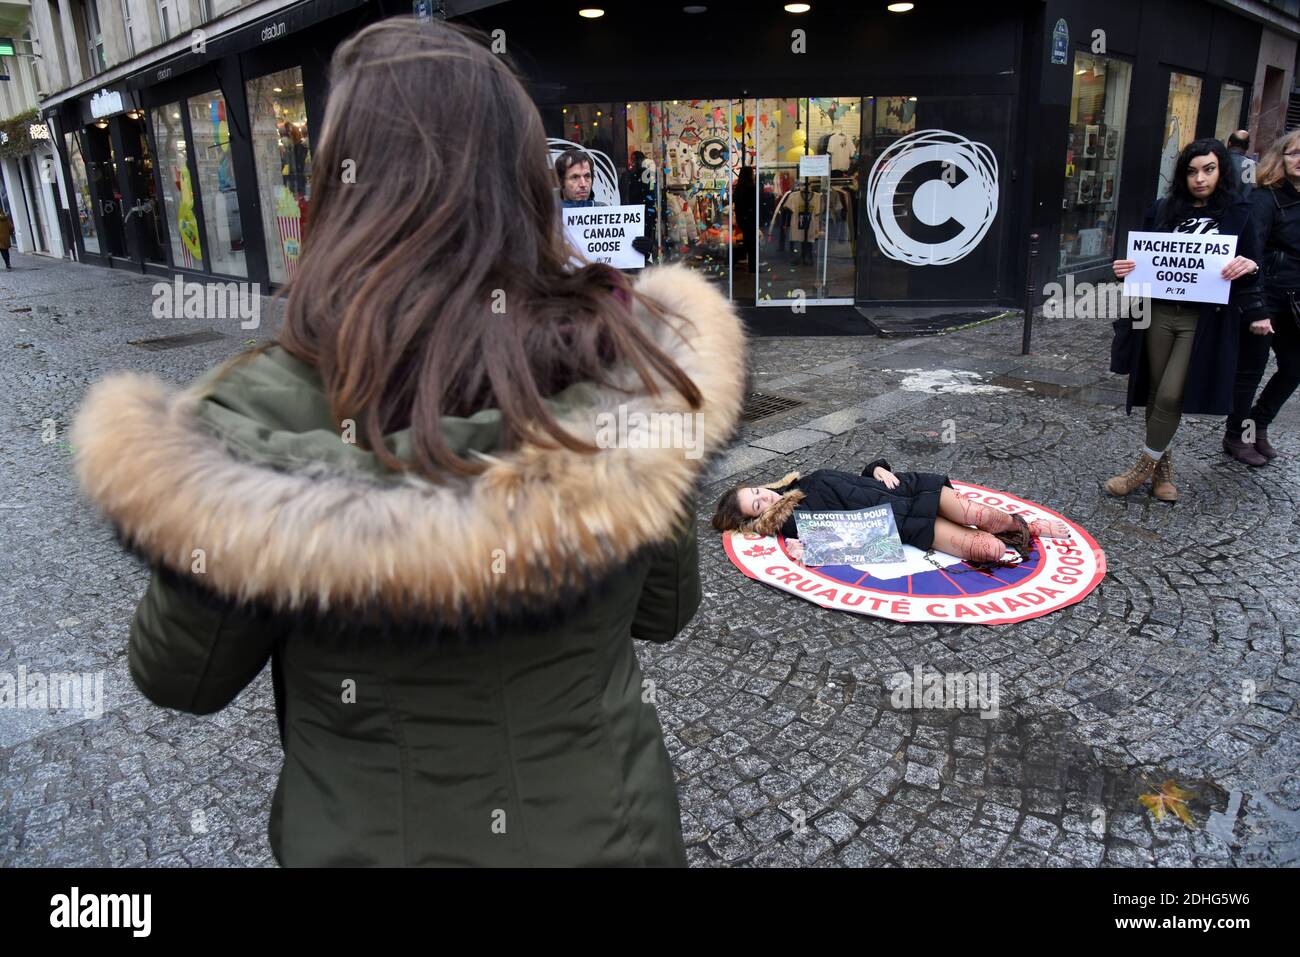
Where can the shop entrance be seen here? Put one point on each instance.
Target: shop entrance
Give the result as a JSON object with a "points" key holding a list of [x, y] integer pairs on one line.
{"points": [[806, 204], [101, 169], [141, 216]]}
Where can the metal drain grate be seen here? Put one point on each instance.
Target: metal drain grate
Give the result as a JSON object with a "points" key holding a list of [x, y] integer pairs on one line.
{"points": [[759, 405], [176, 342]]}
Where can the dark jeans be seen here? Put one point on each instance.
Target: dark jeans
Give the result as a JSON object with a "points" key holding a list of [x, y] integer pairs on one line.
{"points": [[1252, 360], [4, 254]]}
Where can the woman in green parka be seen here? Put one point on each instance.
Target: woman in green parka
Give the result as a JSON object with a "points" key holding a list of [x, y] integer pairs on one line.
{"points": [[409, 504]]}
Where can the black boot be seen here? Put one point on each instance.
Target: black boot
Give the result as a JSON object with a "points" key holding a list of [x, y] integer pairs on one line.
{"points": [[1262, 445], [1242, 451]]}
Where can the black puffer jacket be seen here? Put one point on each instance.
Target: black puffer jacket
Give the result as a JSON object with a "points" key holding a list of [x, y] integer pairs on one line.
{"points": [[915, 501], [1275, 215]]}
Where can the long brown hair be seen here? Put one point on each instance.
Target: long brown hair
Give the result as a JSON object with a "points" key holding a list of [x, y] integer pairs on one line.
{"points": [[434, 278], [1272, 168]]}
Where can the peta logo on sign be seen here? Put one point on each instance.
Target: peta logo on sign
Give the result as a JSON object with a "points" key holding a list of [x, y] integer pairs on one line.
{"points": [[955, 202]]}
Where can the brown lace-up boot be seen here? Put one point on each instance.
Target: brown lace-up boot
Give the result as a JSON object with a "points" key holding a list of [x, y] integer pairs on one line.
{"points": [[1126, 482], [1162, 480]]}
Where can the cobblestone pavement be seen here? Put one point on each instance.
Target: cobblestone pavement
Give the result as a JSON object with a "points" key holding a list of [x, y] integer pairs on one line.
{"points": [[777, 715]]}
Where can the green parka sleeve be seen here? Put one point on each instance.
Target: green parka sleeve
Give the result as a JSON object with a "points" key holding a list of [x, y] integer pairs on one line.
{"points": [[192, 651], [671, 593]]}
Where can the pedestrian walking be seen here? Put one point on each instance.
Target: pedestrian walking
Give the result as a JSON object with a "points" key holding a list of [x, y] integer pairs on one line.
{"points": [[6, 237], [1186, 361], [1276, 217], [405, 504]]}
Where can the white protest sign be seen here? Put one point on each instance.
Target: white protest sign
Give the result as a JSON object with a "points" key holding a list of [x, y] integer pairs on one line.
{"points": [[604, 234], [1183, 266]]}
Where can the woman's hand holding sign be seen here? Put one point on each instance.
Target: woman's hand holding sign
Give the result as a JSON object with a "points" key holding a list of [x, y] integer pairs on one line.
{"points": [[1123, 267], [1239, 266], [1263, 327]]}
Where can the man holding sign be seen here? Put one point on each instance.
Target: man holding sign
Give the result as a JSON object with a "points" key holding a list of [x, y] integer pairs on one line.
{"points": [[1197, 260], [601, 233]]}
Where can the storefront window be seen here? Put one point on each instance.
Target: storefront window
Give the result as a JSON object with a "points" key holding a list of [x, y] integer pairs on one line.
{"points": [[216, 176], [1180, 124], [808, 220], [81, 195], [694, 149], [178, 189], [1093, 159], [282, 156], [1228, 121], [931, 183]]}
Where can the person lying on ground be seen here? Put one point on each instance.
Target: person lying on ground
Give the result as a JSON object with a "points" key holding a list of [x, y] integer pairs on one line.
{"points": [[927, 510]]}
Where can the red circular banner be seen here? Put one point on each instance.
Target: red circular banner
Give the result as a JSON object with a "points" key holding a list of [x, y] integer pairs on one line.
{"points": [[938, 587]]}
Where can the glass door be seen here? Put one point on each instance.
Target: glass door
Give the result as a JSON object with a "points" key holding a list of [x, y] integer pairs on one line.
{"points": [[695, 214], [808, 150]]}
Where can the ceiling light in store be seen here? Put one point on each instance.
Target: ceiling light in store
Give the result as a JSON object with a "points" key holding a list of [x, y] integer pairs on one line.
{"points": [[798, 7], [176, 116], [900, 7], [695, 8], [591, 13], [911, 99], [299, 83], [276, 89]]}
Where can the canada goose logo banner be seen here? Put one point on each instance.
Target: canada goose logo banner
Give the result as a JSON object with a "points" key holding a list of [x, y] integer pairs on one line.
{"points": [[933, 586], [957, 196]]}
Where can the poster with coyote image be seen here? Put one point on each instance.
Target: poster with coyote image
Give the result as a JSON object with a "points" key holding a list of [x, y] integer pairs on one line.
{"points": [[865, 536]]}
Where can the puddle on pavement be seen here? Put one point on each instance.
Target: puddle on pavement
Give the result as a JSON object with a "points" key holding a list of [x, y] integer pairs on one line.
{"points": [[1088, 394]]}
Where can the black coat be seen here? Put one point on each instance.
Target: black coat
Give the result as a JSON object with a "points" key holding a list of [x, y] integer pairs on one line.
{"points": [[915, 501], [1213, 366], [1275, 214]]}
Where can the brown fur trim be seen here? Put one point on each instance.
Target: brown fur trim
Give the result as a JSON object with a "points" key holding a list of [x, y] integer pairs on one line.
{"points": [[320, 538], [789, 477], [776, 514]]}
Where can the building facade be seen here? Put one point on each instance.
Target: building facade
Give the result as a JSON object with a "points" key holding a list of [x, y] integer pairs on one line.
{"points": [[29, 168], [844, 155]]}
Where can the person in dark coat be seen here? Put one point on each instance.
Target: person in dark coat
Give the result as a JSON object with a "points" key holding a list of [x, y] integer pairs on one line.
{"points": [[1186, 361], [1276, 216], [405, 505], [928, 512]]}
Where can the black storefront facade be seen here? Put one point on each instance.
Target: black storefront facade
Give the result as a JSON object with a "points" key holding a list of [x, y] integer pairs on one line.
{"points": [[201, 164], [898, 159]]}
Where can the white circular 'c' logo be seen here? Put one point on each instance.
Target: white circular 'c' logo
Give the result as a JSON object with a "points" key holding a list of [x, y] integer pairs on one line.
{"points": [[972, 203]]}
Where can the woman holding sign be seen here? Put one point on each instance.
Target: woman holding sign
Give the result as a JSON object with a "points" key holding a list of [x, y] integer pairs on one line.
{"points": [[927, 511], [1186, 360], [1276, 215]]}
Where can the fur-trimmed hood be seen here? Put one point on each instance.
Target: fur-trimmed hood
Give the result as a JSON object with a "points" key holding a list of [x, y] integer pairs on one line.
{"points": [[275, 509]]}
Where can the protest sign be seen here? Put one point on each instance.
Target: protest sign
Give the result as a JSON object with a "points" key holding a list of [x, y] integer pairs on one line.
{"points": [[604, 234], [863, 536], [1182, 266]]}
